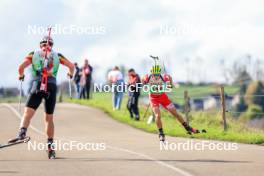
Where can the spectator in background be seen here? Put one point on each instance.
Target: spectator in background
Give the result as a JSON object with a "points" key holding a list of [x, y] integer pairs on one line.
{"points": [[133, 93], [76, 79], [82, 85], [87, 70], [116, 78]]}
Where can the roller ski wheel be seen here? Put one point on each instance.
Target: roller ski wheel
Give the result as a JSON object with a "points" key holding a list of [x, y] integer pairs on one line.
{"points": [[196, 131], [51, 154], [162, 137]]}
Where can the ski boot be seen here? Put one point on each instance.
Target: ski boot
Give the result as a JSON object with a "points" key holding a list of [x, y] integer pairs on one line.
{"points": [[21, 137], [162, 137]]}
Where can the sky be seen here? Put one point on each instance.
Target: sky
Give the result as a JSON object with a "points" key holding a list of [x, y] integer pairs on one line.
{"points": [[190, 37]]}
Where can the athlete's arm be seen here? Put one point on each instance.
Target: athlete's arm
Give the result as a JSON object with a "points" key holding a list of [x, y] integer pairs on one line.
{"points": [[143, 79], [170, 81], [67, 63], [27, 61]]}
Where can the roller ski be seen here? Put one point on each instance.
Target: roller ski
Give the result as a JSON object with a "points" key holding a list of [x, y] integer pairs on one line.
{"points": [[21, 138], [196, 131], [190, 130], [17, 141], [51, 151]]}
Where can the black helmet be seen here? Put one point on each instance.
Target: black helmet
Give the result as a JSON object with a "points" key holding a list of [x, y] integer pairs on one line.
{"points": [[47, 39]]}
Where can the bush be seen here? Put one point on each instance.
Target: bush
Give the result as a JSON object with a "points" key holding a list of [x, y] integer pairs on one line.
{"points": [[241, 106], [253, 111], [255, 88]]}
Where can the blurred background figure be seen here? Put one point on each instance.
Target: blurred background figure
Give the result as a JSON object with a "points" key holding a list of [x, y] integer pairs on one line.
{"points": [[116, 78], [86, 79], [82, 94], [133, 93], [76, 79]]}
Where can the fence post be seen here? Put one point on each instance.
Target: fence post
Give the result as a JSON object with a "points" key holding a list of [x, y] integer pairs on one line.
{"points": [[222, 93], [186, 106], [60, 95]]}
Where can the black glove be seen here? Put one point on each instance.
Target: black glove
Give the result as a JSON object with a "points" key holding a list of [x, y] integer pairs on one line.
{"points": [[69, 75], [21, 78]]}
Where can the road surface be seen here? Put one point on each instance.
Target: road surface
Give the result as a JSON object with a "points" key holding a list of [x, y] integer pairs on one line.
{"points": [[122, 151]]}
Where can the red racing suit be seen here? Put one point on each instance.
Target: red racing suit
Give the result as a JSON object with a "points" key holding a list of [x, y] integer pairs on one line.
{"points": [[159, 97]]}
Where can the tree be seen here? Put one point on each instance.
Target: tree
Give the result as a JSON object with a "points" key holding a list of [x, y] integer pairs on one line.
{"points": [[254, 94], [241, 106], [242, 77], [240, 71]]}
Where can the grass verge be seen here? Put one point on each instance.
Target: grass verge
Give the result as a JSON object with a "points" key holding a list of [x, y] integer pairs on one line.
{"points": [[237, 131]]}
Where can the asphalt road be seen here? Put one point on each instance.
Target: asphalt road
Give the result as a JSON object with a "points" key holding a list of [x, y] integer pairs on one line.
{"points": [[115, 149]]}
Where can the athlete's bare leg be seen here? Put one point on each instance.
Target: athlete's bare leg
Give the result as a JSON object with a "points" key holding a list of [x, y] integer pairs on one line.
{"points": [[48, 118], [157, 114], [49, 125], [174, 112], [27, 116]]}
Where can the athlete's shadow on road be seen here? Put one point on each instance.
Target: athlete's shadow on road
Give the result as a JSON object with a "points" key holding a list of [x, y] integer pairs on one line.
{"points": [[8, 172], [64, 159], [147, 160]]}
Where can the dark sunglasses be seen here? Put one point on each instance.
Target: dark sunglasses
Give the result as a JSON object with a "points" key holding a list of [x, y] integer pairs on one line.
{"points": [[156, 74], [44, 44]]}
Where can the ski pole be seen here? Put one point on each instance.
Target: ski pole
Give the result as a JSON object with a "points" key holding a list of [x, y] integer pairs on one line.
{"points": [[20, 97], [164, 68], [155, 58], [70, 92], [146, 111]]}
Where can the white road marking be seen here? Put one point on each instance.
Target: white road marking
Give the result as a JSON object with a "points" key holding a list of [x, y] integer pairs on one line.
{"points": [[176, 169]]}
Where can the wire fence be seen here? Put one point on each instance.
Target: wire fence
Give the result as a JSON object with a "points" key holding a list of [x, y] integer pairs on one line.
{"points": [[214, 102]]}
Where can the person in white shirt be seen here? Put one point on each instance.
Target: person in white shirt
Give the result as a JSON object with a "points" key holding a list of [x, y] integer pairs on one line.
{"points": [[116, 78]]}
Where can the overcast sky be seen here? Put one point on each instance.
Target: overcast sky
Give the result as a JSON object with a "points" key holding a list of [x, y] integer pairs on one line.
{"points": [[187, 35]]}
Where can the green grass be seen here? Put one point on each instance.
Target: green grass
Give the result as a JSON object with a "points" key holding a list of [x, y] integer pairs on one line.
{"points": [[197, 91], [237, 131], [177, 95], [10, 100]]}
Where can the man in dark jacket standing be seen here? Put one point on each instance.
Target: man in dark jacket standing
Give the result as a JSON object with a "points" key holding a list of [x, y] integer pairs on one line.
{"points": [[76, 79], [134, 84], [87, 70]]}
